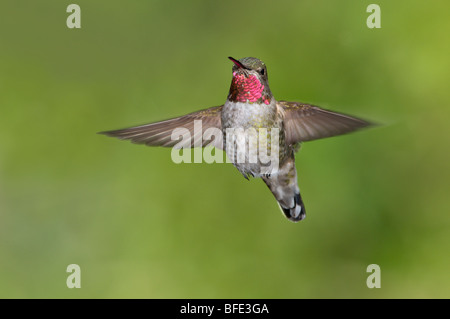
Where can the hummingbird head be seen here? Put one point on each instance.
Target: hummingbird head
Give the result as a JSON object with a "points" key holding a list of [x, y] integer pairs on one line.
{"points": [[250, 83]]}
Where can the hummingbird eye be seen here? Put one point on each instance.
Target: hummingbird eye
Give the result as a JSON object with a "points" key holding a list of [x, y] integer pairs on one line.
{"points": [[262, 71]]}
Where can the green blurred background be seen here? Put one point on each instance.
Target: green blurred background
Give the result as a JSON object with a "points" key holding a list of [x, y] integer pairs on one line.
{"points": [[141, 226]]}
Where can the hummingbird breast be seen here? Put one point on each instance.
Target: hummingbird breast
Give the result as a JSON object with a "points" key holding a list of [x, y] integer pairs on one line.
{"points": [[258, 123]]}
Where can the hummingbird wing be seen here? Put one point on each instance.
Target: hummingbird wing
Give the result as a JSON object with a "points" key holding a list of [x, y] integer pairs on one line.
{"points": [[190, 135], [304, 122]]}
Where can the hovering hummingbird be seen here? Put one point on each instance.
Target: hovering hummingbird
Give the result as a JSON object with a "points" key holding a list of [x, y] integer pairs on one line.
{"points": [[250, 104]]}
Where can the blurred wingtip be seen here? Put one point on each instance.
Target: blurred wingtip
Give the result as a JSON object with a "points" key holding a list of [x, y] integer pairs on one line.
{"points": [[371, 124], [108, 133]]}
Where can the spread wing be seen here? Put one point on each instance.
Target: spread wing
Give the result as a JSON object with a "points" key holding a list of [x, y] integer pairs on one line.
{"points": [[304, 122], [160, 133]]}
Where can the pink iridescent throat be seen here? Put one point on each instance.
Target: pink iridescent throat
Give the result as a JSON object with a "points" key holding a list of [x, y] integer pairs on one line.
{"points": [[247, 88]]}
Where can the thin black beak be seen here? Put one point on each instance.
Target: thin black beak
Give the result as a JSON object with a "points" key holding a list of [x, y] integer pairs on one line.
{"points": [[238, 64]]}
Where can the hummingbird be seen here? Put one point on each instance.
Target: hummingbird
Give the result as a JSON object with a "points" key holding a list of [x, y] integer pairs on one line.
{"points": [[251, 105]]}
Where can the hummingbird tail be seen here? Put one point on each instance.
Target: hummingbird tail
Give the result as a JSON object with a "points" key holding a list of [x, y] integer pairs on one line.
{"points": [[297, 213], [284, 187]]}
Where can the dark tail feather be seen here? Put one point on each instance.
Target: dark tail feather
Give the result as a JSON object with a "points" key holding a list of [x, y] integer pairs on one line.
{"points": [[296, 213], [284, 187]]}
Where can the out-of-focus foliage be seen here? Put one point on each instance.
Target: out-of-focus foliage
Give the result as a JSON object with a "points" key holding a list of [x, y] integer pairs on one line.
{"points": [[141, 226]]}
